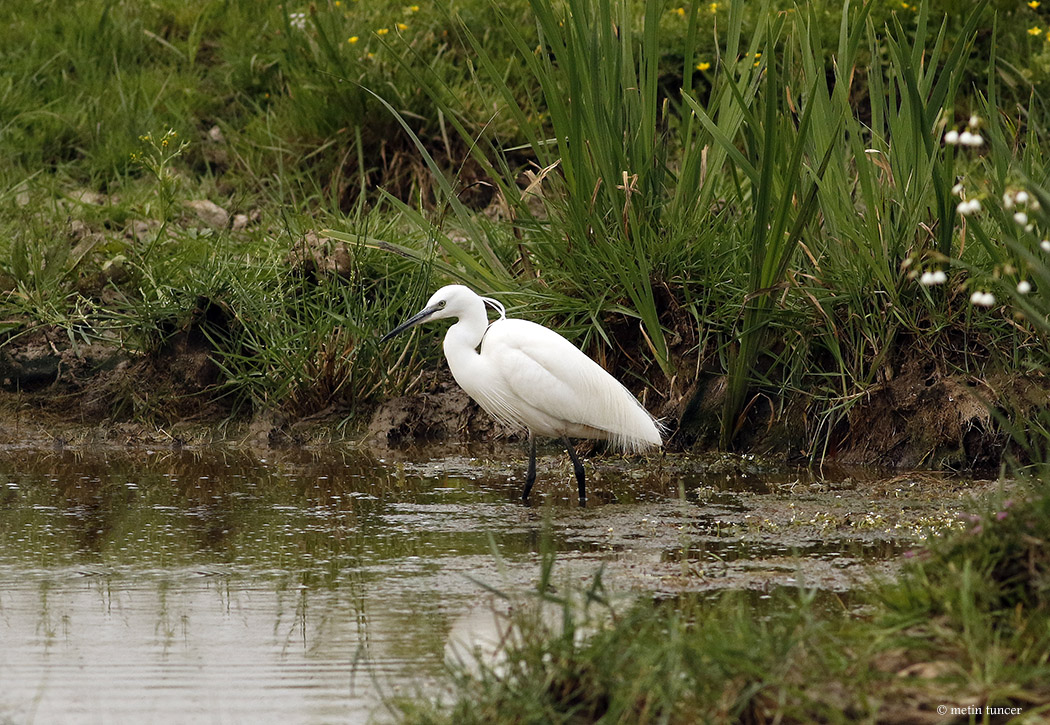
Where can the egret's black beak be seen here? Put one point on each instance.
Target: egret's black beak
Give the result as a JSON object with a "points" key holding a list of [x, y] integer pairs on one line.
{"points": [[415, 319]]}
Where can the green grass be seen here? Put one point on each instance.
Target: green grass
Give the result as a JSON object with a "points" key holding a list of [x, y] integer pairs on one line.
{"points": [[749, 190]]}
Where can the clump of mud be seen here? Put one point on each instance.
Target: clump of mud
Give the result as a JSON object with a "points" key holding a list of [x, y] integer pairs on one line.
{"points": [[48, 360], [926, 417], [48, 371], [442, 411]]}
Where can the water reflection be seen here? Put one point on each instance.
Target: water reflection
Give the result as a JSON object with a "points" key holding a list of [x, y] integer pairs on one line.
{"points": [[223, 586], [235, 586]]}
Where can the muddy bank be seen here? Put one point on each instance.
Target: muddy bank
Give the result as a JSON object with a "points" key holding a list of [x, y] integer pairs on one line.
{"points": [[918, 415]]}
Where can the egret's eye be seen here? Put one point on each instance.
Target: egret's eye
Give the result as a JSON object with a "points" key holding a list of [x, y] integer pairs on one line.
{"points": [[442, 303]]}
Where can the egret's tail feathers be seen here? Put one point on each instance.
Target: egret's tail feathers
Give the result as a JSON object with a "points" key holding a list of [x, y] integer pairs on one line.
{"points": [[634, 444], [638, 434]]}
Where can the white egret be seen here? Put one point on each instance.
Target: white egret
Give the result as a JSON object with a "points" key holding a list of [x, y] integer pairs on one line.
{"points": [[528, 376]]}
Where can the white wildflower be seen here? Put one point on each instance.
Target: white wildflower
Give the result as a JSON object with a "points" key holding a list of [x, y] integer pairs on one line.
{"points": [[982, 299], [952, 137], [957, 189], [1024, 287], [1045, 244], [928, 279], [974, 121], [1008, 200], [971, 206], [1021, 197], [1021, 218]]}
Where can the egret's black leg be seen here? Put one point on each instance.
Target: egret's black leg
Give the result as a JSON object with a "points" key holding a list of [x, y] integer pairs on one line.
{"points": [[530, 475], [577, 468]]}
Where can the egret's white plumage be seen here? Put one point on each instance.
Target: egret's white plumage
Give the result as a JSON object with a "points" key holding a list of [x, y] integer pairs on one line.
{"points": [[529, 376]]}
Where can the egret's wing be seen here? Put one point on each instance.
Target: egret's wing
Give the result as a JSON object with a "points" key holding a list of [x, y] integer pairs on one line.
{"points": [[545, 375], [498, 402]]}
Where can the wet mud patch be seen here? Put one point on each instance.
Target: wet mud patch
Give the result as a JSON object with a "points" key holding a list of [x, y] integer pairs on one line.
{"points": [[74, 382], [679, 524]]}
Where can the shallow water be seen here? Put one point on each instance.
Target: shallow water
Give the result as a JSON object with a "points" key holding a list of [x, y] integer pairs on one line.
{"points": [[231, 586]]}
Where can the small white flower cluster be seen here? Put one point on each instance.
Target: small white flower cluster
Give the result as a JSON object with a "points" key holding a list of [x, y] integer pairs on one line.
{"points": [[297, 20], [954, 138], [1014, 199], [966, 137], [966, 206], [929, 279], [1018, 202], [982, 299]]}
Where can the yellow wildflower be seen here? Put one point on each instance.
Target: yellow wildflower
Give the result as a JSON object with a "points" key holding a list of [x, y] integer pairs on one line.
{"points": [[713, 7], [703, 66], [413, 8], [402, 26], [1035, 30], [681, 12], [382, 31], [352, 39], [1033, 4], [337, 3]]}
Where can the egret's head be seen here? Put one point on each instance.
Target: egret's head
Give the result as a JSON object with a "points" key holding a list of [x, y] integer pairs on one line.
{"points": [[449, 301]]}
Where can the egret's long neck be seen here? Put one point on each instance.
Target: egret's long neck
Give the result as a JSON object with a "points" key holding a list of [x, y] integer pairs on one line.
{"points": [[462, 340]]}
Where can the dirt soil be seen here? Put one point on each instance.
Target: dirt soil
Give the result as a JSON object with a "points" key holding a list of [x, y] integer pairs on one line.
{"points": [[919, 416]]}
